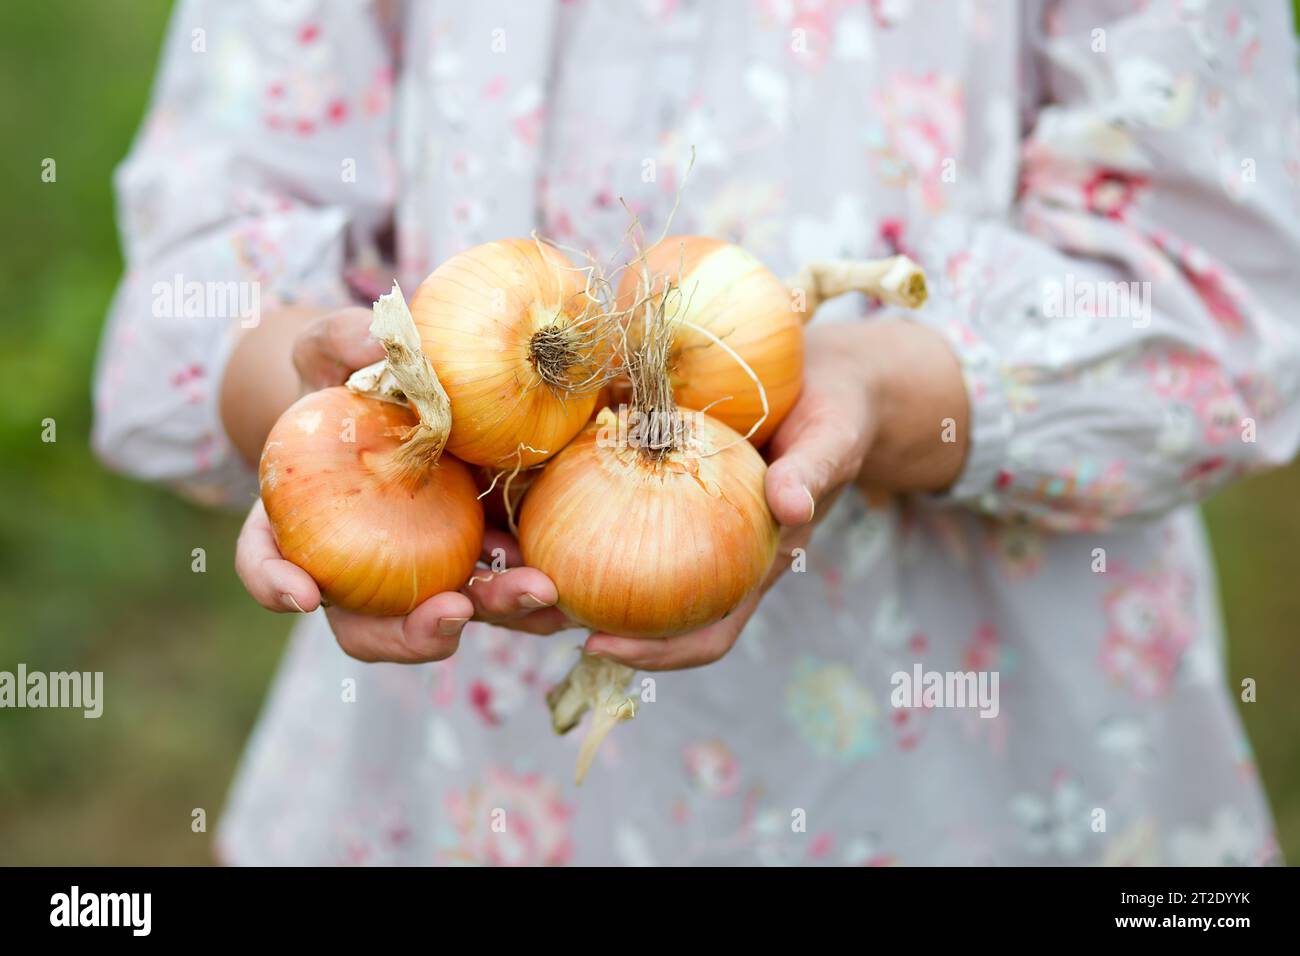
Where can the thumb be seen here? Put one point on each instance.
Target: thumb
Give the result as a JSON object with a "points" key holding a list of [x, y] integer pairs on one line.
{"points": [[818, 448], [334, 346]]}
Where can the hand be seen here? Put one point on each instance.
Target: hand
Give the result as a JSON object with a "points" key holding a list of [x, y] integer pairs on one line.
{"points": [[325, 352], [819, 448], [522, 599], [431, 632], [330, 348]]}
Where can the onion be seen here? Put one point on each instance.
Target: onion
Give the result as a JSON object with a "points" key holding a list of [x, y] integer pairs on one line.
{"points": [[725, 291], [729, 306], [357, 489], [648, 545], [375, 537], [520, 342]]}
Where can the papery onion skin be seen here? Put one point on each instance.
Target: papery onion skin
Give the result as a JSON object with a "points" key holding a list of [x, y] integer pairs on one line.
{"points": [[733, 295], [646, 548], [477, 315], [373, 543]]}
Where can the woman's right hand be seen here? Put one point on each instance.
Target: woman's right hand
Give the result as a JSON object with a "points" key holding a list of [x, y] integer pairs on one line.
{"points": [[325, 352]]}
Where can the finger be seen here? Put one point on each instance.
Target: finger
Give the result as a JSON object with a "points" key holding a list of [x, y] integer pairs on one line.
{"points": [[669, 653], [815, 451], [694, 649], [334, 346], [501, 547], [429, 633], [501, 596], [544, 622], [274, 583], [791, 540], [789, 495], [432, 631]]}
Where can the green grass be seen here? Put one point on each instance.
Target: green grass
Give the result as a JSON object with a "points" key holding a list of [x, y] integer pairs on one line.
{"points": [[95, 570]]}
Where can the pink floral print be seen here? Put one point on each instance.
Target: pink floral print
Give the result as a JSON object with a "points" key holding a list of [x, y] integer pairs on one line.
{"points": [[510, 819], [1149, 628], [918, 134]]}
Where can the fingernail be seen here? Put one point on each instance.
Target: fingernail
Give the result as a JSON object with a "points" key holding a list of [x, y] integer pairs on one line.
{"points": [[288, 603], [812, 503], [531, 602], [450, 626]]}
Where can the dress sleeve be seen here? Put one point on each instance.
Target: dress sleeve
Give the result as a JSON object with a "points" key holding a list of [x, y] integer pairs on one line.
{"points": [[262, 173], [1131, 342]]}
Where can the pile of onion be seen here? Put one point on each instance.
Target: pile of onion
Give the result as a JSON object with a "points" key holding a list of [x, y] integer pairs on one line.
{"points": [[649, 515]]}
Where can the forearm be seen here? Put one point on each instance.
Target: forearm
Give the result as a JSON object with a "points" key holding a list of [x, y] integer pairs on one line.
{"points": [[260, 379], [922, 411]]}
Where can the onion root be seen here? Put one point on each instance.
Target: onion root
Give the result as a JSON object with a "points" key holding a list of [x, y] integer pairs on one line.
{"points": [[599, 685]]}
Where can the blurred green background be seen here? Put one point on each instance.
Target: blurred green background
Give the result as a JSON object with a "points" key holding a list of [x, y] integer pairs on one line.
{"points": [[95, 569]]}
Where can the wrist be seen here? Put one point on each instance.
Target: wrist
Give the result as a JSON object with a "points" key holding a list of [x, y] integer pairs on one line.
{"points": [[260, 381], [881, 353], [918, 398]]}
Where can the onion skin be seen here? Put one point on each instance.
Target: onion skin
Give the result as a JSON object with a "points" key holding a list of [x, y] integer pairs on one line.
{"points": [[477, 314], [646, 548], [738, 299], [374, 542]]}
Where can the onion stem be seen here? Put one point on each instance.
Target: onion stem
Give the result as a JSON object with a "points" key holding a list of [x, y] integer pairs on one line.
{"points": [[895, 281], [406, 373], [647, 361]]}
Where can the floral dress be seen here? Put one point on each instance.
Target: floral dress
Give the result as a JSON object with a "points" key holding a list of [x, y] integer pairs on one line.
{"points": [[1033, 157]]}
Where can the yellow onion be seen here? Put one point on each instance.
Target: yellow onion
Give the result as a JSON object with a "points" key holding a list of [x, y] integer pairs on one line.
{"points": [[725, 291], [519, 344], [728, 306], [357, 489], [344, 506], [645, 544]]}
